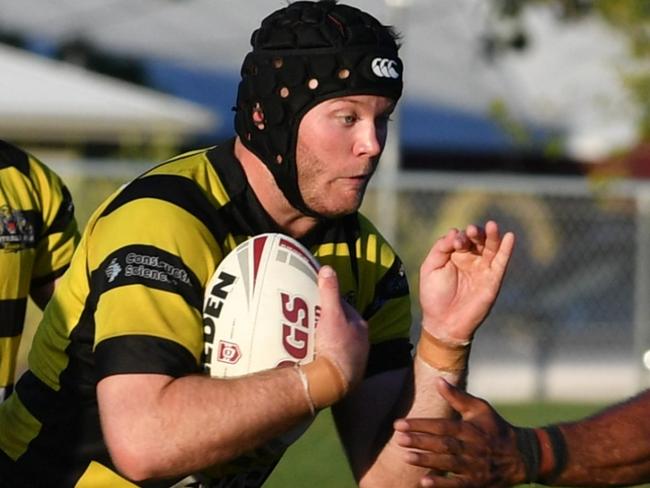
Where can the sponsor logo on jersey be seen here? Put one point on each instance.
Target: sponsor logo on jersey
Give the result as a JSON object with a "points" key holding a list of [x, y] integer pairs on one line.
{"points": [[385, 68], [113, 270], [16, 232], [153, 268]]}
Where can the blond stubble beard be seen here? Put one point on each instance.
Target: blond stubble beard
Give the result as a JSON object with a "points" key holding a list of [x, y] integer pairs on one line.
{"points": [[309, 170]]}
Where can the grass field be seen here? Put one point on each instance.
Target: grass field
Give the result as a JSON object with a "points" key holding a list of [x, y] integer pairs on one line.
{"points": [[316, 460]]}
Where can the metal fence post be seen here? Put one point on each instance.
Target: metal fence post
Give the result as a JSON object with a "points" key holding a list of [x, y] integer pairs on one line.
{"points": [[389, 169], [642, 286]]}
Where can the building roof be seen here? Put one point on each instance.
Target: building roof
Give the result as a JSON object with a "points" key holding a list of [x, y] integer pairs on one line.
{"points": [[42, 99]]}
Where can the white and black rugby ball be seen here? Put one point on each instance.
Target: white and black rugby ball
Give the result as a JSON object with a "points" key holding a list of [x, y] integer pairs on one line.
{"points": [[261, 307]]}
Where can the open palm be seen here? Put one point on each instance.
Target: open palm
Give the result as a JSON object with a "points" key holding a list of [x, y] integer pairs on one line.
{"points": [[460, 279]]}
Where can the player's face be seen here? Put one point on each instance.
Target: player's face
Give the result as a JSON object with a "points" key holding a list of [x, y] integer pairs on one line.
{"points": [[339, 144]]}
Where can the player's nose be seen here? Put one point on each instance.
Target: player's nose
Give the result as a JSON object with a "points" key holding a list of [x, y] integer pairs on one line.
{"points": [[369, 141]]}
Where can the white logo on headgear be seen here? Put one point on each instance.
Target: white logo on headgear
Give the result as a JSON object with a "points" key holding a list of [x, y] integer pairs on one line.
{"points": [[385, 68]]}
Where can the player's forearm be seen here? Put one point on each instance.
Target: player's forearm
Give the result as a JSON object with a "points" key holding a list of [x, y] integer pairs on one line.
{"points": [[419, 399], [183, 425], [610, 448]]}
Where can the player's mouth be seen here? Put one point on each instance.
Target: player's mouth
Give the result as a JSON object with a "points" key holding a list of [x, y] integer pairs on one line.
{"points": [[357, 179]]}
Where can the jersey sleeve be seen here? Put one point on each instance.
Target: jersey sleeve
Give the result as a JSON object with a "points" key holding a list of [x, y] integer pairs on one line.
{"points": [[150, 259], [59, 233]]}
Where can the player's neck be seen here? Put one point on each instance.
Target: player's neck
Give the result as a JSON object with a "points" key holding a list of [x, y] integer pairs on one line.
{"points": [[289, 219]]}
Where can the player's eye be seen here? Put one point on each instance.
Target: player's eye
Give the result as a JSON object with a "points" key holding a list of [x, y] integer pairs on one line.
{"points": [[348, 118]]}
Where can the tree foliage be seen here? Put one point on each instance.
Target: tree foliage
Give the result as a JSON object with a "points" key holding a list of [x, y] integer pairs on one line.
{"points": [[631, 18]]}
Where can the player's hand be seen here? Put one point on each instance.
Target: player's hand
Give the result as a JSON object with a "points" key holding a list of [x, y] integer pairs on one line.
{"points": [[478, 451], [341, 334], [460, 279]]}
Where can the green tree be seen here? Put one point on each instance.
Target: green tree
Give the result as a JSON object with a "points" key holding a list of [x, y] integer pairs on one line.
{"points": [[630, 18]]}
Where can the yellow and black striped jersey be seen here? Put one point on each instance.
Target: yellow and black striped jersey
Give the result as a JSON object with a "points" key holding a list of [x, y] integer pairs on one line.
{"points": [[38, 234], [132, 299]]}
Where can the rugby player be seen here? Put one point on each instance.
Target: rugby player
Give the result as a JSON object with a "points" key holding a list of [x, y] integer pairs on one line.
{"points": [[115, 395], [38, 234]]}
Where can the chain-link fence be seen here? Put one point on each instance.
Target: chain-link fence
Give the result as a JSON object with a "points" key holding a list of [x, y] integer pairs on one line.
{"points": [[572, 318], [571, 321]]}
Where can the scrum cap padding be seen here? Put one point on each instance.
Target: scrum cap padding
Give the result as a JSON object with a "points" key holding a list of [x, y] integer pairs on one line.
{"points": [[302, 55]]}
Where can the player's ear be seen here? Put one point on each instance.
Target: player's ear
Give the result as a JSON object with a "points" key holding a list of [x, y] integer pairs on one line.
{"points": [[258, 116]]}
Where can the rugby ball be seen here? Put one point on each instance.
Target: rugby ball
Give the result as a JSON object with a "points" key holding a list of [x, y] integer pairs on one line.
{"points": [[261, 307], [260, 311]]}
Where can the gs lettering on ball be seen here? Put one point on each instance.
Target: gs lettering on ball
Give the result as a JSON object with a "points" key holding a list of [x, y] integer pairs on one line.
{"points": [[295, 326]]}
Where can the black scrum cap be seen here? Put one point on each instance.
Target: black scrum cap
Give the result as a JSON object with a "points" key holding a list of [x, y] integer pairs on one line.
{"points": [[304, 54]]}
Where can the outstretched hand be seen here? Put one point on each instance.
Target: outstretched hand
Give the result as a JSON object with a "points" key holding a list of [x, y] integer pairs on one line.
{"points": [[460, 279], [478, 450]]}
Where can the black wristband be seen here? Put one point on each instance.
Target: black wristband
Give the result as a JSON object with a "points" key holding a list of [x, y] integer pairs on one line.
{"points": [[528, 446], [558, 445]]}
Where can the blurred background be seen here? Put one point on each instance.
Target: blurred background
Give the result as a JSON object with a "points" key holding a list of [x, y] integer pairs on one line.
{"points": [[535, 113]]}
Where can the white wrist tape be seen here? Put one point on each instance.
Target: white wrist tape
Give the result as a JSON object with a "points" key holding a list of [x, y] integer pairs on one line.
{"points": [[305, 385]]}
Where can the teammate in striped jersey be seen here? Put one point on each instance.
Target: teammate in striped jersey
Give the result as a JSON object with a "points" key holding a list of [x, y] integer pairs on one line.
{"points": [[115, 395], [38, 233]]}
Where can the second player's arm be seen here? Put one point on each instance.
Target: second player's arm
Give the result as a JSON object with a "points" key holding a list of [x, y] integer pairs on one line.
{"points": [[610, 448], [606, 449]]}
